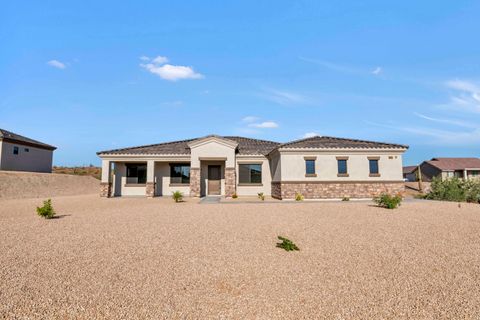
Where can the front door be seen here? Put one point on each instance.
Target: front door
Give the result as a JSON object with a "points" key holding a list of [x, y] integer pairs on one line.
{"points": [[214, 179]]}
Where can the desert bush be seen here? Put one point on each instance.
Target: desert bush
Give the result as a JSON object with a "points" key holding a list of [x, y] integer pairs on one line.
{"points": [[455, 189], [299, 196], [46, 211], [177, 196], [346, 199], [287, 244], [234, 196], [388, 201], [261, 196]]}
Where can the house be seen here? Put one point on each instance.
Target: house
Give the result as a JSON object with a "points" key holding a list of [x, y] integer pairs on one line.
{"points": [[410, 173], [463, 168], [317, 167], [19, 153]]}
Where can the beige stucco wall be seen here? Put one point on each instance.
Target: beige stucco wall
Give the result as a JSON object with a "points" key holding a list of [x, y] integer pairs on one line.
{"points": [[266, 186], [36, 160], [212, 150], [293, 166], [162, 181]]}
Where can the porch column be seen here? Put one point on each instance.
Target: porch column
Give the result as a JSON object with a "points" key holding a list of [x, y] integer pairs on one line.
{"points": [[230, 182], [465, 174], [150, 185], [106, 182], [195, 182]]}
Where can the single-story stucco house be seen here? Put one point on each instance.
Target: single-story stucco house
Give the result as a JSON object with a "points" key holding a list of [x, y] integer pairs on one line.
{"points": [[463, 168], [19, 153], [317, 167]]}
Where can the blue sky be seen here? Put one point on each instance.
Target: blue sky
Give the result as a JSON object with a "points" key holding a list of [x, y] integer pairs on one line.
{"points": [[94, 75]]}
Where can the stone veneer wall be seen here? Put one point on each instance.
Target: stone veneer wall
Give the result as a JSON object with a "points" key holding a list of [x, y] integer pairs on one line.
{"points": [[105, 189], [230, 182], [331, 190], [150, 189], [195, 182]]}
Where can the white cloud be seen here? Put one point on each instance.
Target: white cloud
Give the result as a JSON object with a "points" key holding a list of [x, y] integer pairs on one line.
{"points": [[250, 119], [310, 135], [377, 71], [169, 72], [56, 64], [467, 96], [265, 124], [283, 97], [446, 121], [144, 58]]}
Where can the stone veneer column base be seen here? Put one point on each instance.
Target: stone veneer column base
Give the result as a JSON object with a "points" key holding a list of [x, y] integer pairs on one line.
{"points": [[230, 182], [195, 182], [335, 190], [150, 189], [105, 189]]}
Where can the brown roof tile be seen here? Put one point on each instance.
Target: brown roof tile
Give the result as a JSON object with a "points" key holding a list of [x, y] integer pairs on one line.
{"points": [[9, 136], [455, 163], [321, 142]]}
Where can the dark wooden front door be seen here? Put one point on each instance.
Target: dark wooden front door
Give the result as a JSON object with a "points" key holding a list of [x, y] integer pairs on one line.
{"points": [[214, 179]]}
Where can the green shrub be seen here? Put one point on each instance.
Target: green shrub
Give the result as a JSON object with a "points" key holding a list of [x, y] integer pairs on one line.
{"points": [[299, 196], [346, 199], [287, 244], [177, 196], [455, 189], [388, 201], [46, 211], [261, 196], [234, 196]]}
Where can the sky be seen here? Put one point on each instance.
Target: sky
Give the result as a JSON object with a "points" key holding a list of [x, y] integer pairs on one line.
{"points": [[87, 76]]}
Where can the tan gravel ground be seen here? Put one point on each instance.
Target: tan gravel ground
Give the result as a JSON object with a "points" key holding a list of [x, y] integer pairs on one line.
{"points": [[136, 258]]}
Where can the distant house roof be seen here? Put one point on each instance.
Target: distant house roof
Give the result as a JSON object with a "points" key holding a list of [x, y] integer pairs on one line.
{"points": [[450, 164], [249, 146], [409, 169], [8, 136], [324, 142]]}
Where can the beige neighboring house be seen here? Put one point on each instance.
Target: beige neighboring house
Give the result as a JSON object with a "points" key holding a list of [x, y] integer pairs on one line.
{"points": [[317, 167], [463, 168], [19, 153]]}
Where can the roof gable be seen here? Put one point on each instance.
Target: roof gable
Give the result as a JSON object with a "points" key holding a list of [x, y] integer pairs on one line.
{"points": [[213, 138], [452, 164]]}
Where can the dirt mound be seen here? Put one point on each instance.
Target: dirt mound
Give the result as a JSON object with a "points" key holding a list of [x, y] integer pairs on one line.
{"points": [[17, 185]]}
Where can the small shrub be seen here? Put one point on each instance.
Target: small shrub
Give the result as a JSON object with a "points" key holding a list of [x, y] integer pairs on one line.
{"points": [[261, 196], [234, 196], [177, 196], [346, 199], [46, 211], [299, 196], [388, 201], [287, 244]]}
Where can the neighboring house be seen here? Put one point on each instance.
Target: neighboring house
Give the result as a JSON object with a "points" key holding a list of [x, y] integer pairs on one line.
{"points": [[410, 173], [463, 168], [19, 153], [317, 167]]}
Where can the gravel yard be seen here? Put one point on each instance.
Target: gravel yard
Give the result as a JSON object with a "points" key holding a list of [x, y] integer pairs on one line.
{"points": [[136, 258]]}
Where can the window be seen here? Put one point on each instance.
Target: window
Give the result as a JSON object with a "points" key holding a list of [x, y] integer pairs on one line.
{"points": [[26, 150], [309, 166], [136, 173], [342, 166], [15, 150], [180, 173], [250, 173], [373, 164]]}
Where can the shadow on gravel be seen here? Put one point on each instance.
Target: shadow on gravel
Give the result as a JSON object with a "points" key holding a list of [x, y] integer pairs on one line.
{"points": [[60, 216]]}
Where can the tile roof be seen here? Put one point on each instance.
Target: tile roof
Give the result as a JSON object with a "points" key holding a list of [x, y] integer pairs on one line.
{"points": [[321, 142], [455, 163], [245, 146], [249, 146], [409, 169], [16, 138]]}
